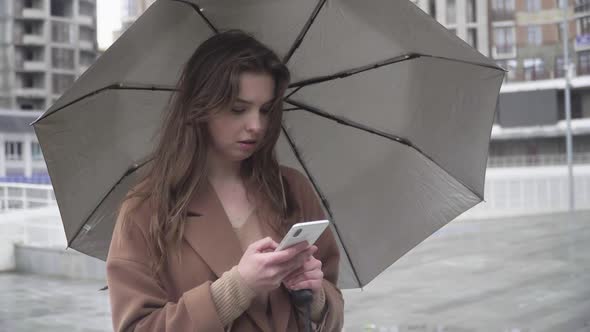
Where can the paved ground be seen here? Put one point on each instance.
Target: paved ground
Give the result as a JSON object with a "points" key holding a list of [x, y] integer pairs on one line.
{"points": [[517, 275]]}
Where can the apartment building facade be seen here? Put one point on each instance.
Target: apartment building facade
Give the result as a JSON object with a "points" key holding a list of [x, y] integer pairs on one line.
{"points": [[526, 38], [44, 46]]}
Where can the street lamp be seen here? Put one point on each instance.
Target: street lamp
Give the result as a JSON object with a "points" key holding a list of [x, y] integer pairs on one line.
{"points": [[568, 113]]}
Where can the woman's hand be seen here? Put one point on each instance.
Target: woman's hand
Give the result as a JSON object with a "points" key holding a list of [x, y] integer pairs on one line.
{"points": [[263, 269], [309, 276]]}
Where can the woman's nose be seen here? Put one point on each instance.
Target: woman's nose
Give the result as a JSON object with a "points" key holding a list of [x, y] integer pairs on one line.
{"points": [[255, 122]]}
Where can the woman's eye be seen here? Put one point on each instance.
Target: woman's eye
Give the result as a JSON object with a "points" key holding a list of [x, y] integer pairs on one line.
{"points": [[238, 110], [265, 110]]}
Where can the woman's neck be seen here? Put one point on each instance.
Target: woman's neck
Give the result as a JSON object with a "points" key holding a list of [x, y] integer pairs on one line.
{"points": [[220, 170]]}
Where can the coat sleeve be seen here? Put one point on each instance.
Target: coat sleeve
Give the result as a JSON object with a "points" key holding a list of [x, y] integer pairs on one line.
{"points": [[140, 303], [328, 252]]}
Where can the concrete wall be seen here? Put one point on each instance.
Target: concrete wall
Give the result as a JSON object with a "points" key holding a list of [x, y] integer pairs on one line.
{"points": [[57, 262]]}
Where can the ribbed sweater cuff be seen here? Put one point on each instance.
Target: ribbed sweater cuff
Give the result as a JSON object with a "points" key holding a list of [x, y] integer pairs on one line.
{"points": [[231, 295]]}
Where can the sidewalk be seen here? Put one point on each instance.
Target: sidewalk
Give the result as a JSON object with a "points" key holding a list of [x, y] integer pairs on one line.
{"points": [[513, 274]]}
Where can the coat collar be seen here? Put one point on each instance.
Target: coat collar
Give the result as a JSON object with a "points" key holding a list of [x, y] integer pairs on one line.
{"points": [[209, 232]]}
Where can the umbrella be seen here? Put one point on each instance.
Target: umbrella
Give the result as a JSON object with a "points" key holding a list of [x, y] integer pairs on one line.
{"points": [[389, 115]]}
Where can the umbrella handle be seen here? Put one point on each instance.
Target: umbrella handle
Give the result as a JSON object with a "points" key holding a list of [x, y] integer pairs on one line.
{"points": [[304, 297]]}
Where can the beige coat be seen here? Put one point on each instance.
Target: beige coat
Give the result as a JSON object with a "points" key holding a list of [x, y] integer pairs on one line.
{"points": [[180, 298]]}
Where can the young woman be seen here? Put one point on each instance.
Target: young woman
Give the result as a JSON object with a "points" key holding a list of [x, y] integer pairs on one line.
{"points": [[193, 247]]}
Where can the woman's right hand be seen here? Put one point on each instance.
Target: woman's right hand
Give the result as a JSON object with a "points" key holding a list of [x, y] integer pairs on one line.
{"points": [[263, 269]]}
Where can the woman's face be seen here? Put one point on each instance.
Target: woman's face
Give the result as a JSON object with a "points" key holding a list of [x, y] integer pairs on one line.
{"points": [[238, 131]]}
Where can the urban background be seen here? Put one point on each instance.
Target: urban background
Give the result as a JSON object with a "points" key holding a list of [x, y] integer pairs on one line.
{"points": [[45, 45]]}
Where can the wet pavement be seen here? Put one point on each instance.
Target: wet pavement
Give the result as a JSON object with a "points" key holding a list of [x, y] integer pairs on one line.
{"points": [[514, 275]]}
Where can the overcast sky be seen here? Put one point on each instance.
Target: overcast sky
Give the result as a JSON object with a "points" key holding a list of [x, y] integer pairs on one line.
{"points": [[108, 19]]}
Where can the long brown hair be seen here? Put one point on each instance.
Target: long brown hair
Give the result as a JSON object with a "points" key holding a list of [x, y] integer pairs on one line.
{"points": [[210, 83]]}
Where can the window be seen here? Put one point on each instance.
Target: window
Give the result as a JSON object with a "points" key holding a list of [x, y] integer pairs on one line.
{"points": [[560, 3], [61, 8], [451, 12], [581, 5], [61, 83], [86, 9], [533, 69], [13, 150], [28, 28], [559, 67], [510, 66], [471, 11], [61, 32], [62, 58], [504, 40], [534, 35], [86, 58], [86, 34], [28, 81], [28, 4], [533, 5], [432, 8], [584, 25], [472, 37], [36, 151], [584, 63]]}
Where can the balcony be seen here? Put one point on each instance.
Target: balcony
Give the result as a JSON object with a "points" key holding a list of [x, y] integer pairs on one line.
{"points": [[537, 160], [583, 7], [85, 20], [30, 65], [30, 92], [86, 45], [37, 13], [502, 15], [32, 39], [501, 52]]}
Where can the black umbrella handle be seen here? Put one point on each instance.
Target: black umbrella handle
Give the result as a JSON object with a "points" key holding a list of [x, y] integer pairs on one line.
{"points": [[304, 297]]}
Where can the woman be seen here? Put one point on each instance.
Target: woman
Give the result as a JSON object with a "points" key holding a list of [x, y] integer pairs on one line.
{"points": [[193, 248]]}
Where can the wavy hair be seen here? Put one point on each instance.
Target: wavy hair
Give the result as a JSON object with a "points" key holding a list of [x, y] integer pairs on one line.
{"points": [[209, 83]]}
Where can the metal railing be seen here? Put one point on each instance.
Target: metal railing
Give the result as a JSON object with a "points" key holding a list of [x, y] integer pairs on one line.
{"points": [[537, 160], [14, 196]]}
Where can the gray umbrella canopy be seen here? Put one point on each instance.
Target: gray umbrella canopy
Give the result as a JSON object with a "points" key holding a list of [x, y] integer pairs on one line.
{"points": [[389, 115]]}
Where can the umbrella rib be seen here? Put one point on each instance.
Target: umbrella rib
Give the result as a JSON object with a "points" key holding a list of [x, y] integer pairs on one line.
{"points": [[353, 71], [322, 198], [199, 11], [357, 70], [127, 173], [304, 31], [356, 125], [118, 86]]}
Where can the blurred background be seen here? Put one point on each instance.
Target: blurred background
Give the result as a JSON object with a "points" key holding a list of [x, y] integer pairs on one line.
{"points": [[530, 205]]}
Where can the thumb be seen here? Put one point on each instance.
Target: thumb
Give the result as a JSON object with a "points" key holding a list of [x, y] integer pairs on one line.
{"points": [[264, 244]]}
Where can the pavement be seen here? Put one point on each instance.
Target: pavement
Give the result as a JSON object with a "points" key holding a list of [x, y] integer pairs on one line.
{"points": [[519, 274]]}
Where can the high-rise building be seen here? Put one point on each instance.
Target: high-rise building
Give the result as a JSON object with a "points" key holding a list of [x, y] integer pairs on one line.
{"points": [[44, 46], [468, 19], [525, 38], [130, 11]]}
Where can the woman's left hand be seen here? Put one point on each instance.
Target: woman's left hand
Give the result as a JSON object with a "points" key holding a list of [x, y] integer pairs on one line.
{"points": [[308, 276]]}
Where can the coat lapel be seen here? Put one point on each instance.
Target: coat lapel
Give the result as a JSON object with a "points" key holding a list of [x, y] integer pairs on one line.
{"points": [[209, 232]]}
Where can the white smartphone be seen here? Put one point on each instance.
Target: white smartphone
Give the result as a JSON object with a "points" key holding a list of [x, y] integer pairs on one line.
{"points": [[304, 231]]}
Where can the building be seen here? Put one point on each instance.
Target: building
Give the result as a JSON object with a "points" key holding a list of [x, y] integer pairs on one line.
{"points": [[44, 46], [21, 159], [131, 10], [468, 19], [525, 37]]}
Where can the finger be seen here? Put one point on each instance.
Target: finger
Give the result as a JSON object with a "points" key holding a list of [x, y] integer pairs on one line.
{"points": [[309, 275], [286, 254], [264, 244]]}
